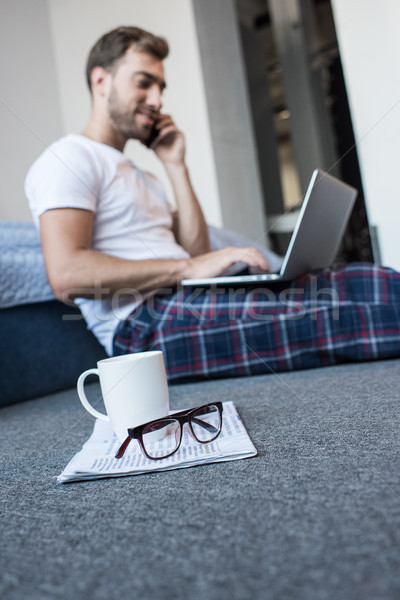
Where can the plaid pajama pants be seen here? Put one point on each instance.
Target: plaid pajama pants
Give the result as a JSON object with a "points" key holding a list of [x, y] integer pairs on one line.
{"points": [[345, 313]]}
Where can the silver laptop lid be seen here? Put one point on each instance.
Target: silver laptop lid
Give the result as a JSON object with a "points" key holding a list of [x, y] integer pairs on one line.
{"points": [[316, 237], [319, 229]]}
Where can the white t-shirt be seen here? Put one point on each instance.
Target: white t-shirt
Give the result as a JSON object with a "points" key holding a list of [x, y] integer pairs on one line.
{"points": [[132, 218]]}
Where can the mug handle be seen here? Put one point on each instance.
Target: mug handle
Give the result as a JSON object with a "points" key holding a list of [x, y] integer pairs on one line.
{"points": [[82, 395]]}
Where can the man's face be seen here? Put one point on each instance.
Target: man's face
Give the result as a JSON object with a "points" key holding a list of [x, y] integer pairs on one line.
{"points": [[134, 98]]}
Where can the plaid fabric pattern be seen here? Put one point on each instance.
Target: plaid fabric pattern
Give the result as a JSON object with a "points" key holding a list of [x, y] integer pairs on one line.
{"points": [[346, 313]]}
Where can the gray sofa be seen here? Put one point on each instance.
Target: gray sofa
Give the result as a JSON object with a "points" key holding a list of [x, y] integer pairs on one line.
{"points": [[44, 344]]}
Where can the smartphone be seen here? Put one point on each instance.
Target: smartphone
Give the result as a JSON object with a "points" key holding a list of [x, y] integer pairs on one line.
{"points": [[153, 135]]}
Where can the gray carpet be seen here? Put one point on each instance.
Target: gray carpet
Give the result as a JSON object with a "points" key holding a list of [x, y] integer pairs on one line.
{"points": [[315, 516]]}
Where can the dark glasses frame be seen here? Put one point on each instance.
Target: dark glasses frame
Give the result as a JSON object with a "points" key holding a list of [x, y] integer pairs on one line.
{"points": [[185, 416]]}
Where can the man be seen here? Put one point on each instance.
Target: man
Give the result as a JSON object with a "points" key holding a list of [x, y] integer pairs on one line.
{"points": [[111, 242]]}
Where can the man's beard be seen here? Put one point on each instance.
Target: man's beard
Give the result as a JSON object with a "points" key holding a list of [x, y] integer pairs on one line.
{"points": [[124, 120]]}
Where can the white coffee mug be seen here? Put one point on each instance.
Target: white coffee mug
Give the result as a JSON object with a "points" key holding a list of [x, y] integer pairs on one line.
{"points": [[134, 389]]}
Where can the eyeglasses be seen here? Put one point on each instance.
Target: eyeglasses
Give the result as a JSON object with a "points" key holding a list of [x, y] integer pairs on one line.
{"points": [[162, 437]]}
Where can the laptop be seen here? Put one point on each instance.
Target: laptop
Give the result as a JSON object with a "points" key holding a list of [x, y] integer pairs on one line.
{"points": [[316, 237]]}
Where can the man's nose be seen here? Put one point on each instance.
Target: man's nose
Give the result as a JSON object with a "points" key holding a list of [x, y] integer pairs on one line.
{"points": [[154, 97]]}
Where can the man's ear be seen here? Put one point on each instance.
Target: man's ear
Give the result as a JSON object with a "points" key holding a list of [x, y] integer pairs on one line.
{"points": [[99, 79]]}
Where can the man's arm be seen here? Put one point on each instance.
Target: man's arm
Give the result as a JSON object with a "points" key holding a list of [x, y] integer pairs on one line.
{"points": [[190, 227], [75, 270]]}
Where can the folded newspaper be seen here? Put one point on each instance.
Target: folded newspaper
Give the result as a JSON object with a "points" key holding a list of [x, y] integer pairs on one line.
{"points": [[97, 459]]}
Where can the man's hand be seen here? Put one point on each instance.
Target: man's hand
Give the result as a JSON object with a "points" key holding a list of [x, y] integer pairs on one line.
{"points": [[169, 145], [215, 263]]}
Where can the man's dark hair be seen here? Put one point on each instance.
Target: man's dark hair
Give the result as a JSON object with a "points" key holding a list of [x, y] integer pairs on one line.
{"points": [[111, 47]]}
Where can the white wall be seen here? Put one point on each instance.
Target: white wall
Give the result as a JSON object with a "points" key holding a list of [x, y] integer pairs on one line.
{"points": [[29, 106], [77, 24], [369, 42]]}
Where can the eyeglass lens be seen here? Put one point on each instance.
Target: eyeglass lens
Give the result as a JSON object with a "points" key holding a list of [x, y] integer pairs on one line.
{"points": [[206, 423], [162, 438]]}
